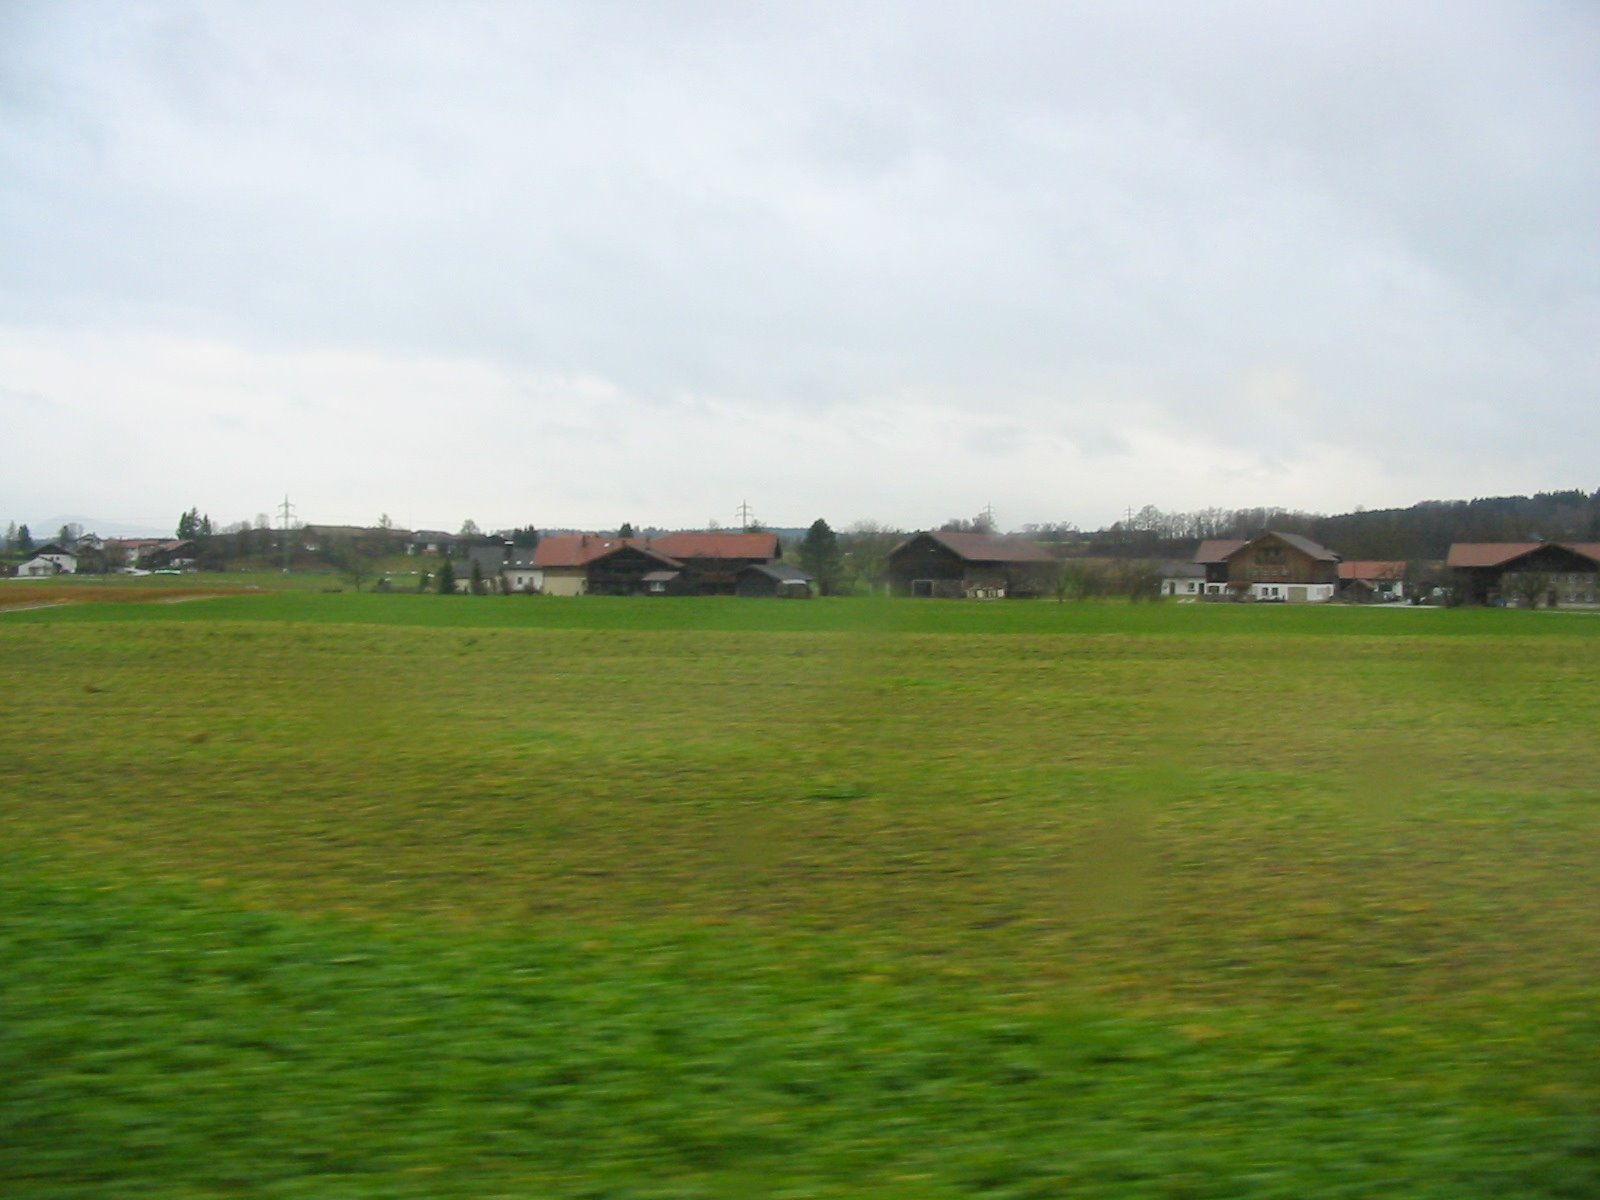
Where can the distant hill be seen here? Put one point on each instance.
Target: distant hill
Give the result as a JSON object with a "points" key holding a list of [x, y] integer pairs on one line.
{"points": [[105, 528], [1423, 531]]}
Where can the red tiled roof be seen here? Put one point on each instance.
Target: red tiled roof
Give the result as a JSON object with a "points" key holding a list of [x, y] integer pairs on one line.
{"points": [[580, 549], [571, 549], [1497, 554], [1372, 570], [1487, 554], [717, 545]]}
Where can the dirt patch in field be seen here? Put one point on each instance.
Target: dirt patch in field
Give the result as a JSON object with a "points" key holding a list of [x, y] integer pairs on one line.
{"points": [[20, 596]]}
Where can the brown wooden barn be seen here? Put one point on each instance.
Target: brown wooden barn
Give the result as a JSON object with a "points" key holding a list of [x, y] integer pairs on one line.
{"points": [[970, 566], [703, 564], [711, 562], [632, 568], [1526, 573]]}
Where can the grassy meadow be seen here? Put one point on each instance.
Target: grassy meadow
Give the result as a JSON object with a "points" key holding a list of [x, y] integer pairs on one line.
{"points": [[352, 895]]}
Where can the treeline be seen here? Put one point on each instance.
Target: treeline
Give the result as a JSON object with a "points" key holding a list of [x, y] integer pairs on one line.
{"points": [[1423, 531]]}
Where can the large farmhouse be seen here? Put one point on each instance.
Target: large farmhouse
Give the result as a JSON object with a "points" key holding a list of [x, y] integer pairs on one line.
{"points": [[1270, 566], [700, 564], [969, 565], [1526, 573]]}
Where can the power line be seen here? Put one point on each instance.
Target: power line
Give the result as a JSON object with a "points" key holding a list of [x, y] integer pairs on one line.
{"points": [[286, 511]]}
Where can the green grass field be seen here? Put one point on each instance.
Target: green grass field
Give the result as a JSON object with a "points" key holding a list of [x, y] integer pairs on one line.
{"points": [[340, 895]]}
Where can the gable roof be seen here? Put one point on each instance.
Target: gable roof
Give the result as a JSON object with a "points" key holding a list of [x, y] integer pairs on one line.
{"points": [[778, 572], [571, 549], [1498, 554], [716, 545], [1219, 550], [1305, 545], [639, 546], [1372, 570], [489, 560], [1215, 550], [983, 547], [580, 549]]}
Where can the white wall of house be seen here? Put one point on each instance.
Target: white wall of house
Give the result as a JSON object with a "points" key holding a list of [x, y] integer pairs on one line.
{"points": [[565, 582], [1182, 587], [1288, 593], [523, 579], [48, 564], [1293, 593]]}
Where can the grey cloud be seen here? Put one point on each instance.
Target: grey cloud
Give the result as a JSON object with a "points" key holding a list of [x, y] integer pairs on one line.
{"points": [[1108, 219]]}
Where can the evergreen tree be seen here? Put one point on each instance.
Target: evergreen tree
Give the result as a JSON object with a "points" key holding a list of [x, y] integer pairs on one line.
{"points": [[477, 586], [626, 531], [11, 536], [819, 554], [445, 581], [24, 539]]}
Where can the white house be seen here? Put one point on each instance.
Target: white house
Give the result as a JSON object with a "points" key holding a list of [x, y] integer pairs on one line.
{"points": [[1183, 580], [49, 559]]}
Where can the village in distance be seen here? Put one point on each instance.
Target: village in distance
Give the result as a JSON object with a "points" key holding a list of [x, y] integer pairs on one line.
{"points": [[1525, 551]]}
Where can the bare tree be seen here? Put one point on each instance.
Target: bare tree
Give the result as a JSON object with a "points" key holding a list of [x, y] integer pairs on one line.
{"points": [[1530, 587]]}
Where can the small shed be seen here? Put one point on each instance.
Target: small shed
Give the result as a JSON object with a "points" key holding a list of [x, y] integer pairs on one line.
{"points": [[773, 579], [1366, 582]]}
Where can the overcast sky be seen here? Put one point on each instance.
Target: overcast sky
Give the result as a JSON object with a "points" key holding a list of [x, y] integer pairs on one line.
{"points": [[575, 263]]}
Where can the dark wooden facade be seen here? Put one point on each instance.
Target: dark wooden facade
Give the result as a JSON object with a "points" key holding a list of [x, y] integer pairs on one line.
{"points": [[773, 579], [621, 572], [712, 562], [715, 576], [1550, 572], [970, 566]]}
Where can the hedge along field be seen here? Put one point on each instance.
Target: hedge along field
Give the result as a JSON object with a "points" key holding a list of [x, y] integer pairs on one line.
{"points": [[306, 896]]}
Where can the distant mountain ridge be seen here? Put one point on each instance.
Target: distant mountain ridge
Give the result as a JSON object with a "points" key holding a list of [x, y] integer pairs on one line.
{"points": [[106, 529]]}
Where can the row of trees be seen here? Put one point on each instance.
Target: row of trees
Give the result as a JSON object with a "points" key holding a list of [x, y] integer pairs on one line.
{"points": [[19, 540], [192, 525]]}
